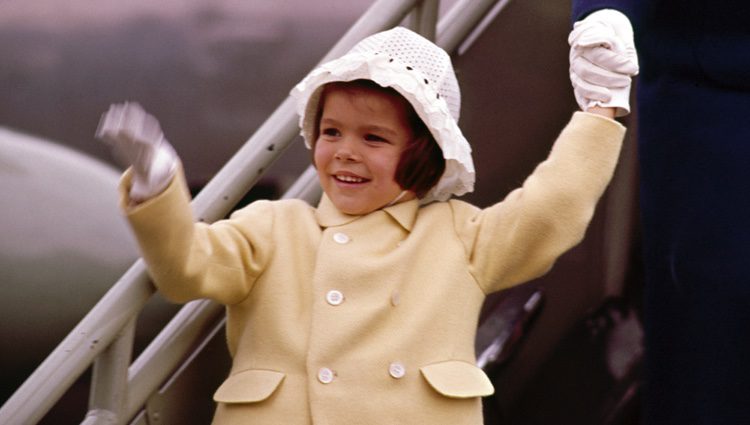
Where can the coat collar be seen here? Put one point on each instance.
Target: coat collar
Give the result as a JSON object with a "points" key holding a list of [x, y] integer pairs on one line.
{"points": [[405, 213]]}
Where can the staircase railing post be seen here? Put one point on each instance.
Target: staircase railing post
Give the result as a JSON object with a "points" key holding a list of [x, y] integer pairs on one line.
{"points": [[424, 18], [109, 383]]}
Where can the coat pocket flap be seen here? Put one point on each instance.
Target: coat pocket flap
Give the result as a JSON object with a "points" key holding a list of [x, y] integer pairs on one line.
{"points": [[248, 386], [457, 379]]}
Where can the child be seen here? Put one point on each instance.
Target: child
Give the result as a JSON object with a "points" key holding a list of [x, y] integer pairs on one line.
{"points": [[363, 310]]}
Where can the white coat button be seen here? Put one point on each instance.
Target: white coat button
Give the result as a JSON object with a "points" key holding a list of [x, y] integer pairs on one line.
{"points": [[397, 370], [341, 238], [325, 375], [334, 297]]}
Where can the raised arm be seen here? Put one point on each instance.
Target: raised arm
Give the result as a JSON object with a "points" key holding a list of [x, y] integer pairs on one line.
{"points": [[186, 260], [520, 238]]}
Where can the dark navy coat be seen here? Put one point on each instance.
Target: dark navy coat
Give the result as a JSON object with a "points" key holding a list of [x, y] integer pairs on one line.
{"points": [[693, 107]]}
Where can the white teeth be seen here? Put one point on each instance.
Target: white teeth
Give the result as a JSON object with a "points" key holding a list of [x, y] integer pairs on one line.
{"points": [[350, 179]]}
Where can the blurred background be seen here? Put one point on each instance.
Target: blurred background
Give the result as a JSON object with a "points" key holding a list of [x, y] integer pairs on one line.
{"points": [[212, 72]]}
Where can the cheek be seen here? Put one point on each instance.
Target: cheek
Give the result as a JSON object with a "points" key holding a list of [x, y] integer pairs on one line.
{"points": [[388, 165], [317, 155]]}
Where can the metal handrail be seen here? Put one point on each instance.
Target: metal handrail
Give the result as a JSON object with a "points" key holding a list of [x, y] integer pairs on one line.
{"points": [[108, 326]]}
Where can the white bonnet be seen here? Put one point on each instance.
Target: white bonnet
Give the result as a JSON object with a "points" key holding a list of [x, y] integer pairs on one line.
{"points": [[421, 72]]}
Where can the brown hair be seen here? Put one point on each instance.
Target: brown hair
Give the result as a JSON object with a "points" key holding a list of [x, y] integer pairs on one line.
{"points": [[421, 163]]}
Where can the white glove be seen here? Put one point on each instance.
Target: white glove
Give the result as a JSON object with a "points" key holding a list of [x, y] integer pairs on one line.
{"points": [[602, 60], [136, 139]]}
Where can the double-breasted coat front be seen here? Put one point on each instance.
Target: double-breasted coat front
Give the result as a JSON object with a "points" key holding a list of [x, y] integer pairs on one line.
{"points": [[339, 319]]}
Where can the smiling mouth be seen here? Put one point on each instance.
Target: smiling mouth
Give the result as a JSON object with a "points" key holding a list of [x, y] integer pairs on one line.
{"points": [[349, 179]]}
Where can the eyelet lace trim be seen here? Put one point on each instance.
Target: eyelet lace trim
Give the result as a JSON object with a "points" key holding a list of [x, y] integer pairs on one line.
{"points": [[459, 175]]}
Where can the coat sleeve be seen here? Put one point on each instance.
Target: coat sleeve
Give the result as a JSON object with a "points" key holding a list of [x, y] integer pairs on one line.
{"points": [[189, 260], [581, 8], [520, 238]]}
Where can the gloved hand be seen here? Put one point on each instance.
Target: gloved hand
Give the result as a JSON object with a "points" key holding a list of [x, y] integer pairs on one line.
{"points": [[602, 60], [136, 140]]}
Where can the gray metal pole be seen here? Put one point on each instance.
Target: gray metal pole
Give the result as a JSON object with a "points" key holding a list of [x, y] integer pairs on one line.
{"points": [[424, 18], [109, 383], [463, 17], [110, 376]]}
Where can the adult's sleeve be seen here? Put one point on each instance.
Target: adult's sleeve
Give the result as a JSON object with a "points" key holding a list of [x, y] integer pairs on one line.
{"points": [[582, 8]]}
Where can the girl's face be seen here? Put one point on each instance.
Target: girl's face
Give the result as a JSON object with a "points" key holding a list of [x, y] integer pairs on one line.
{"points": [[362, 134]]}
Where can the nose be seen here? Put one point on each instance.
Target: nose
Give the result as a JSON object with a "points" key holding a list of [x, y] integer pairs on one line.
{"points": [[346, 151]]}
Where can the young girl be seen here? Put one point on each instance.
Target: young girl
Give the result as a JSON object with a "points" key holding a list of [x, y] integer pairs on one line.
{"points": [[363, 310]]}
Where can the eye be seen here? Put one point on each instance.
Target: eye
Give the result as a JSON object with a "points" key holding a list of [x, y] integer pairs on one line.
{"points": [[330, 132], [375, 138]]}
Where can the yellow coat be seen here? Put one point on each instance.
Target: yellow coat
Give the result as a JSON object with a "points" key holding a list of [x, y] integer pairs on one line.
{"points": [[337, 319]]}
